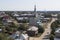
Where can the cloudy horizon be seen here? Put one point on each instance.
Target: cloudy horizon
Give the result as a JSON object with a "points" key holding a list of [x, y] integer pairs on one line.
{"points": [[28, 5]]}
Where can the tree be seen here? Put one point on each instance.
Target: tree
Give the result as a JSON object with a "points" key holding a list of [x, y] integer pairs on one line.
{"points": [[40, 29], [23, 26], [4, 37], [54, 26], [51, 37]]}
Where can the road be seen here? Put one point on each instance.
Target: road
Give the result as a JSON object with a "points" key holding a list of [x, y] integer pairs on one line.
{"points": [[48, 29]]}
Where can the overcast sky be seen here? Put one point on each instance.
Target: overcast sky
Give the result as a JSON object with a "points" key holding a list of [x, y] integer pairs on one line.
{"points": [[28, 5]]}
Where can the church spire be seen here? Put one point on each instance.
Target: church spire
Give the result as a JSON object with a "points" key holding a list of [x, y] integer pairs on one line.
{"points": [[34, 8]]}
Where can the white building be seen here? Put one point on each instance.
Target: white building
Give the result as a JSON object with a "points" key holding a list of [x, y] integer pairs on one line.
{"points": [[19, 36], [33, 28], [15, 15], [57, 33]]}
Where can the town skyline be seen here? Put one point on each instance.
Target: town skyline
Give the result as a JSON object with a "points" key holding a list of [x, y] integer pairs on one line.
{"points": [[28, 5]]}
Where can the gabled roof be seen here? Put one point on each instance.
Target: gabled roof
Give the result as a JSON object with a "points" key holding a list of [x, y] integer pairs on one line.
{"points": [[15, 15], [33, 28], [20, 18], [58, 30]]}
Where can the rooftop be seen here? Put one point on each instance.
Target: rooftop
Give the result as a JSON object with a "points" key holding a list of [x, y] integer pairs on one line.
{"points": [[33, 28], [58, 30]]}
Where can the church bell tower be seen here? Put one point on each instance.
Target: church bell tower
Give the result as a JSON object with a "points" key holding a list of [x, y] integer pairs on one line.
{"points": [[35, 8]]}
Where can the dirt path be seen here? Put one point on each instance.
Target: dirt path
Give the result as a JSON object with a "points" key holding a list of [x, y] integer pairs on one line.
{"points": [[48, 29]]}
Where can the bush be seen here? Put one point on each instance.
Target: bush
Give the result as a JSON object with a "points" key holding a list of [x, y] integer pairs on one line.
{"points": [[4, 37], [40, 29], [23, 27], [51, 37]]}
